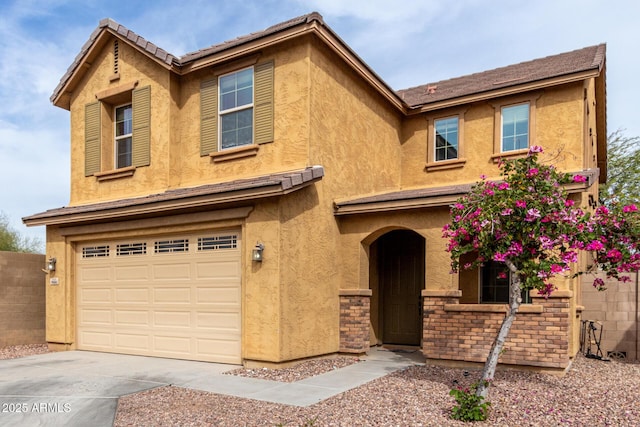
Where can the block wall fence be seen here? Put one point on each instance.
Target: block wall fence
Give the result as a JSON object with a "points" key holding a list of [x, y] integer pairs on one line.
{"points": [[22, 298]]}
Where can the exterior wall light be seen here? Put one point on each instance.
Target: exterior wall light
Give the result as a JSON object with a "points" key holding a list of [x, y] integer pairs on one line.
{"points": [[256, 254], [51, 264]]}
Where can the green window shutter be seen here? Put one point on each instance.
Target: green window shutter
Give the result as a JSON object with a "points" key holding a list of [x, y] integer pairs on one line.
{"points": [[208, 116], [263, 102], [91, 138], [141, 123]]}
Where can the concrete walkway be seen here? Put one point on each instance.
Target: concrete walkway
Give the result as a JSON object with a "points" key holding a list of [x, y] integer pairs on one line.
{"points": [[79, 388]]}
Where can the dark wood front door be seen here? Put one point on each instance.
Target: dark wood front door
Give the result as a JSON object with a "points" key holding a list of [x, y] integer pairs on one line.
{"points": [[401, 274]]}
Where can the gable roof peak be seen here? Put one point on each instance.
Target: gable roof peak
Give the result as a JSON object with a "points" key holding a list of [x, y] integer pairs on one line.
{"points": [[200, 53]]}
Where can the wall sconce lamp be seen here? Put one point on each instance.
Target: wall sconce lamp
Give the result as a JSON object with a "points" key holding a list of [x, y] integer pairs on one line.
{"points": [[51, 264], [256, 254]]}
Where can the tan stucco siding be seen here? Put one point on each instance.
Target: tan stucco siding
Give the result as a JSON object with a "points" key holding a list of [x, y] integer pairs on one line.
{"points": [[353, 135], [261, 310], [133, 67], [288, 151], [59, 298], [309, 279], [558, 127]]}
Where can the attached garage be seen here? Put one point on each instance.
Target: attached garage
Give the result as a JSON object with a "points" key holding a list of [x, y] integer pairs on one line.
{"points": [[172, 296]]}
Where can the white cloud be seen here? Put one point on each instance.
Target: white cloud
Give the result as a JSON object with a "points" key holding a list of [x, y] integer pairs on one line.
{"points": [[407, 43]]}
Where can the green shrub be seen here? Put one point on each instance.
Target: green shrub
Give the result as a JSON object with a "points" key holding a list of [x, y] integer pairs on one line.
{"points": [[470, 407]]}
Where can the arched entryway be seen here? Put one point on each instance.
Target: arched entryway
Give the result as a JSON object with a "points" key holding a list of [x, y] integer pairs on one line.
{"points": [[397, 276]]}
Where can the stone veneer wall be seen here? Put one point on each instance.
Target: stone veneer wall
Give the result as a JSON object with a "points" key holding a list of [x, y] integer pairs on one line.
{"points": [[539, 336], [22, 299], [355, 312]]}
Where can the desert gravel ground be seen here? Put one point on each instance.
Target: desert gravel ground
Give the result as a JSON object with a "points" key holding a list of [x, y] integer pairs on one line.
{"points": [[592, 393], [15, 351]]}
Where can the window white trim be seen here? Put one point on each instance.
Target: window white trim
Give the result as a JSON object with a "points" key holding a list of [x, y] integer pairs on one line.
{"points": [[530, 99], [511, 108], [222, 112], [432, 163], [117, 138]]}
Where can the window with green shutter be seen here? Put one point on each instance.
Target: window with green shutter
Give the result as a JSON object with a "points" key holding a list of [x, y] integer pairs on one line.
{"points": [[130, 138], [236, 109], [91, 138]]}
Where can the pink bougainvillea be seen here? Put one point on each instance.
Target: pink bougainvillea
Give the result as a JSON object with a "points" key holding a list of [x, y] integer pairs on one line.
{"points": [[527, 218]]}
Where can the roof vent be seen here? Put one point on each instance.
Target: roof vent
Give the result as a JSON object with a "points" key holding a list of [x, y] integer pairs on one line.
{"points": [[115, 57]]}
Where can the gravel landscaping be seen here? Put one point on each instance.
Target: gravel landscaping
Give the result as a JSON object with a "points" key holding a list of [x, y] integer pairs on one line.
{"points": [[593, 392], [298, 372], [15, 351]]}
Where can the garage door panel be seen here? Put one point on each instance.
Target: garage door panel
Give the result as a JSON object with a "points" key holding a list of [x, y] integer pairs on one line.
{"points": [[218, 270], [95, 317], [95, 296], [224, 348], [131, 341], [217, 295], [131, 273], [177, 297], [96, 339], [172, 319], [218, 321], [95, 274], [173, 345], [172, 271], [140, 318], [130, 295]]}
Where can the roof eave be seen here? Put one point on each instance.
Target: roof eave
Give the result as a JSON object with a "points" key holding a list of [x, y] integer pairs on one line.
{"points": [[168, 204], [314, 27], [442, 197], [62, 98], [506, 91]]}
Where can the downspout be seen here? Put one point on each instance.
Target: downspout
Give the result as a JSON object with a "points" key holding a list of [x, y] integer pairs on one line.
{"points": [[637, 316]]}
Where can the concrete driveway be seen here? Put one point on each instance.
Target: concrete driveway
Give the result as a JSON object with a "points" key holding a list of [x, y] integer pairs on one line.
{"points": [[80, 388]]}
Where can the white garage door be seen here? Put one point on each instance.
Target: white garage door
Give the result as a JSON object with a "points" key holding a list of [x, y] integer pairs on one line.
{"points": [[175, 296]]}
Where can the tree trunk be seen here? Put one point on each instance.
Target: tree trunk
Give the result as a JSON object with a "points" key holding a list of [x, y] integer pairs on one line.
{"points": [[515, 299]]}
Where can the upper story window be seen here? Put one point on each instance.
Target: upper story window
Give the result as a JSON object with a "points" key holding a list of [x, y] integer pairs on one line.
{"points": [[515, 127], [446, 139], [123, 136], [117, 131], [236, 109]]}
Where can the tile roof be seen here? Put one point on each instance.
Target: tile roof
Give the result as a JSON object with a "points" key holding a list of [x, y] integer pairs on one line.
{"points": [[304, 19], [586, 59], [590, 58], [224, 192], [165, 57], [431, 196], [122, 31]]}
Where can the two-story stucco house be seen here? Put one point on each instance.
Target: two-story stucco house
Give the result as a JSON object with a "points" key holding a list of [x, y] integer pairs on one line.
{"points": [[271, 198]]}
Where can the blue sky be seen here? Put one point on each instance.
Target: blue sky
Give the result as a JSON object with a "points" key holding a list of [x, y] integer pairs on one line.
{"points": [[407, 43]]}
